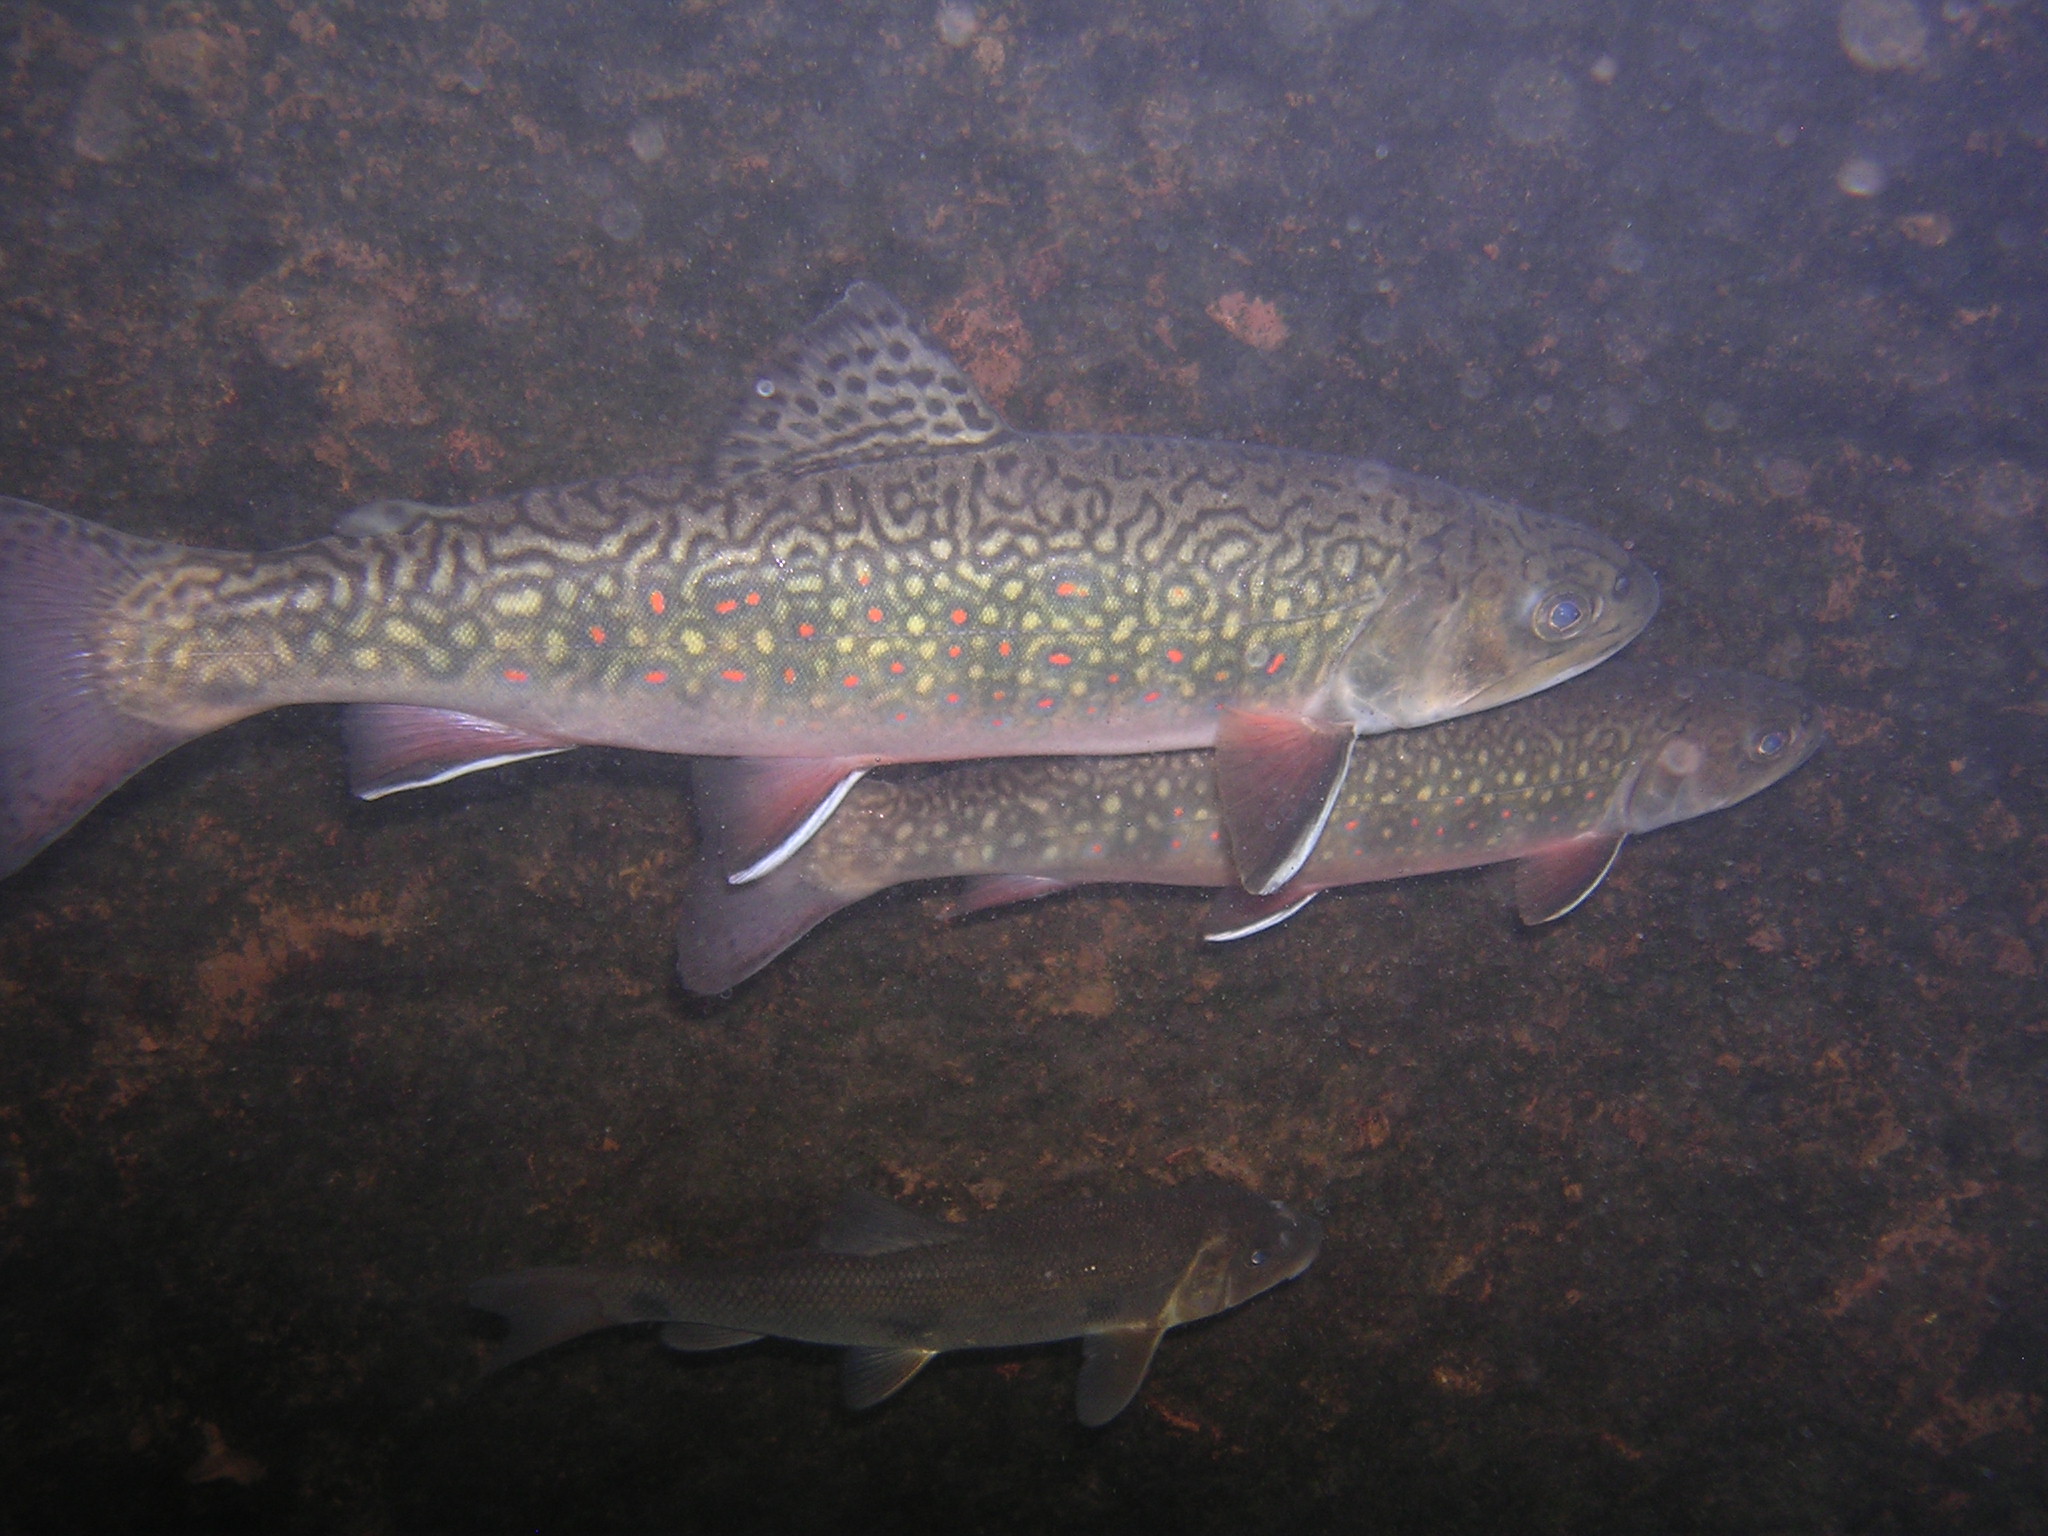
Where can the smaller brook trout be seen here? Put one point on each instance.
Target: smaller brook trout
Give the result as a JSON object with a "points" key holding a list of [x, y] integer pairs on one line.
{"points": [[897, 1289], [1554, 783]]}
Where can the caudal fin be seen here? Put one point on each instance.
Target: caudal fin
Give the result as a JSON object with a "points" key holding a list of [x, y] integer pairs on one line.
{"points": [[63, 745]]}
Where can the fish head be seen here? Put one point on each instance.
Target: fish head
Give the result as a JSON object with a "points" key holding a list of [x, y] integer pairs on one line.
{"points": [[1722, 737], [1489, 610], [1251, 1245]]}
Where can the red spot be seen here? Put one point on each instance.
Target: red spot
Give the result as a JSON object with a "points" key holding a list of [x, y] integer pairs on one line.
{"points": [[1176, 810], [657, 677], [733, 675], [514, 676], [863, 577], [895, 666], [1068, 589], [1414, 821], [805, 631], [1002, 694], [1215, 837], [1439, 831], [753, 599], [852, 681], [1151, 698], [726, 606], [1174, 656], [959, 615], [596, 635], [1095, 847], [789, 674], [1060, 659], [952, 698], [1506, 815], [902, 714], [1350, 826], [656, 601], [1004, 648], [1276, 664], [952, 650], [1045, 703], [1176, 842], [874, 615], [1113, 677]]}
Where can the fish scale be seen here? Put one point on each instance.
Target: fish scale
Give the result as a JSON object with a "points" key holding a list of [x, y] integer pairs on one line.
{"points": [[876, 569]]}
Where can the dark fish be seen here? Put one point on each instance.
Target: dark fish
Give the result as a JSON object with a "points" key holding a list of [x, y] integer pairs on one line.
{"points": [[1555, 783], [877, 570], [896, 1289]]}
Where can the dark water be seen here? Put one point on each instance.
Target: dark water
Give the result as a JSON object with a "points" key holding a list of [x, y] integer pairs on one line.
{"points": [[1717, 1206]]}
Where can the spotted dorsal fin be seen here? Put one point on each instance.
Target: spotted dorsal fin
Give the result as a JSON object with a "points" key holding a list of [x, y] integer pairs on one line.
{"points": [[858, 382]]}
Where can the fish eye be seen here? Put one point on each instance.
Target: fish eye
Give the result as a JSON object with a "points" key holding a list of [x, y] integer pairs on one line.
{"points": [[1622, 584], [1769, 744], [1258, 1257], [1561, 615]]}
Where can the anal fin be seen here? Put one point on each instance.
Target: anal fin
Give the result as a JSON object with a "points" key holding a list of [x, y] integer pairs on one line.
{"points": [[1113, 1366], [1277, 776], [982, 892], [757, 811], [1550, 884], [692, 1338], [1237, 914], [407, 746], [876, 1372]]}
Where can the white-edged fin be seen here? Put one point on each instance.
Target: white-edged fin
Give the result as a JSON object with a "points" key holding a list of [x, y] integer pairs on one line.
{"points": [[406, 746], [865, 1223], [1113, 1366], [982, 892], [1237, 914], [374, 519], [1548, 885], [754, 812], [874, 1373], [1277, 776], [858, 382], [693, 1338]]}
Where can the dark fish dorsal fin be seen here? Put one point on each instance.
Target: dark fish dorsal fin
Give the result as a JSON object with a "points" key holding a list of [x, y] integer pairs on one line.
{"points": [[1236, 913], [407, 746], [1277, 775], [693, 1338], [1548, 885], [757, 811], [858, 382], [875, 1372], [982, 892], [373, 519], [866, 1224], [1113, 1366]]}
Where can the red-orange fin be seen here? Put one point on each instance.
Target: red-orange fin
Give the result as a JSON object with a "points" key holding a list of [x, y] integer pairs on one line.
{"points": [[759, 810], [407, 746], [64, 744], [1237, 914], [1550, 884], [985, 891], [1277, 776]]}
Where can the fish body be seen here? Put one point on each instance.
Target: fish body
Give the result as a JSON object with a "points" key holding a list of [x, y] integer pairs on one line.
{"points": [[896, 1289], [1553, 783], [875, 569]]}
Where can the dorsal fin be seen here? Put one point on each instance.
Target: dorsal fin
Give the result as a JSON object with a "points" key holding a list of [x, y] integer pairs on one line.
{"points": [[858, 382], [865, 1223]]}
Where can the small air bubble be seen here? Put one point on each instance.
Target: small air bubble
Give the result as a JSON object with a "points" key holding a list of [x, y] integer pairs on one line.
{"points": [[765, 388]]}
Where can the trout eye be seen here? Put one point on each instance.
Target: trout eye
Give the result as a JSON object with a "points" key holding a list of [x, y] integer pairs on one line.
{"points": [[1562, 615], [1768, 744]]}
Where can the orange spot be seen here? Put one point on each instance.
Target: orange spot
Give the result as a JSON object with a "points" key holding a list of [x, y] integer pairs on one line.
{"points": [[852, 681], [874, 615], [1276, 664], [1151, 698], [1001, 694], [1060, 659], [733, 675], [1068, 589], [1176, 842], [514, 676], [902, 714], [952, 650], [727, 606], [1506, 815], [959, 615], [952, 698], [1113, 677], [1004, 648], [596, 635], [1095, 847], [1045, 703], [1178, 811], [753, 599], [1350, 826], [863, 577], [1174, 656], [895, 666], [805, 631], [1222, 677], [789, 674], [657, 677], [656, 601]]}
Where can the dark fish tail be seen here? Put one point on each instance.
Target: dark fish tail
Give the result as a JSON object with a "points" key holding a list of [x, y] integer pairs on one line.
{"points": [[64, 746]]}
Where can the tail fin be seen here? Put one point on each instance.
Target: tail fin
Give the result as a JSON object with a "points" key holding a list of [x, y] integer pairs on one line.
{"points": [[546, 1307], [63, 745]]}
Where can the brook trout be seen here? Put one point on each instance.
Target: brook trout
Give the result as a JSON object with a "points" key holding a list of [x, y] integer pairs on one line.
{"points": [[897, 1289], [1554, 783], [875, 568]]}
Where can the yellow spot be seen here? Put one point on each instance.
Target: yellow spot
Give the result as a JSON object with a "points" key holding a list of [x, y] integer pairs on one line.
{"points": [[366, 658], [764, 642], [846, 645], [693, 642], [401, 633], [466, 634], [1012, 590], [554, 647], [522, 603], [1111, 804], [306, 599], [991, 615], [924, 684], [915, 624], [1282, 607]]}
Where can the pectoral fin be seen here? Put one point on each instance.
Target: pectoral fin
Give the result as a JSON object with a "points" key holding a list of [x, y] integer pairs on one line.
{"points": [[985, 891], [1550, 884], [405, 746], [1277, 776], [1113, 1367], [693, 1337], [1237, 914], [875, 1373], [757, 811]]}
